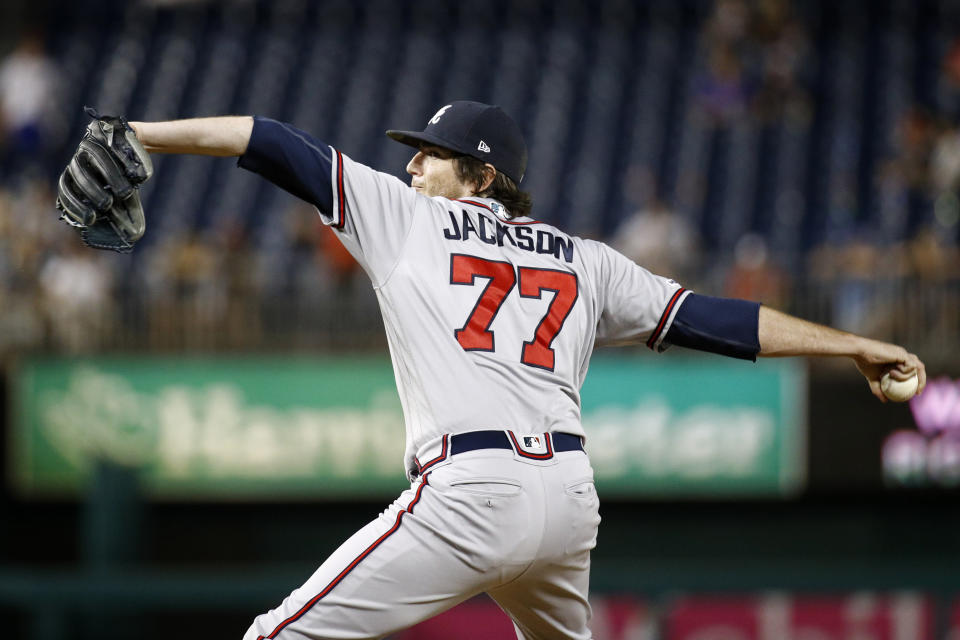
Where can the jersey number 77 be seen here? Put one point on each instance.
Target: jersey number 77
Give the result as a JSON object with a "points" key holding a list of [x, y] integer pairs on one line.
{"points": [[475, 335]]}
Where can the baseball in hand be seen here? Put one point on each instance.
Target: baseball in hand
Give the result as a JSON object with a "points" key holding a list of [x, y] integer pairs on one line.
{"points": [[899, 390]]}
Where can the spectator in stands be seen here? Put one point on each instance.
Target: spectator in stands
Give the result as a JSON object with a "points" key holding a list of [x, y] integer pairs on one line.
{"points": [[306, 272], [915, 139], [721, 90], [854, 271], [237, 272], [945, 181], [192, 267], [948, 88], [28, 92], [727, 25], [930, 257], [184, 296], [26, 236], [905, 177], [21, 323], [657, 238], [945, 159], [197, 289], [75, 287], [342, 266], [754, 275], [783, 52], [933, 264]]}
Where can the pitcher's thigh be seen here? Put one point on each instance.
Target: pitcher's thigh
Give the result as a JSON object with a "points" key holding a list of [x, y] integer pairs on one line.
{"points": [[550, 604]]}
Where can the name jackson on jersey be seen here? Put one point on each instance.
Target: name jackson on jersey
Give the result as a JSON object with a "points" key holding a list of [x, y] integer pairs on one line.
{"points": [[495, 232]]}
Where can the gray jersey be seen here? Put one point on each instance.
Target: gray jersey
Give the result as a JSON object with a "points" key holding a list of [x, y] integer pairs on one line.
{"points": [[490, 320]]}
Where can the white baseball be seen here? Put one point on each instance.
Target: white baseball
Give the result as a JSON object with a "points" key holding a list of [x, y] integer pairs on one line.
{"points": [[899, 390]]}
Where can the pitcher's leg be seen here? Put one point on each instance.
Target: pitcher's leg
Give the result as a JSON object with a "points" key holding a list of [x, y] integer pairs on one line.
{"points": [[551, 603], [388, 576], [550, 599]]}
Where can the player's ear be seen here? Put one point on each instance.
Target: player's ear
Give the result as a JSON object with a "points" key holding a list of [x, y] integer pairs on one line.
{"points": [[489, 173]]}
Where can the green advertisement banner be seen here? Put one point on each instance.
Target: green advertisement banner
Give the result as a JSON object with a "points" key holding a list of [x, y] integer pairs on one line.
{"points": [[274, 428], [696, 426]]}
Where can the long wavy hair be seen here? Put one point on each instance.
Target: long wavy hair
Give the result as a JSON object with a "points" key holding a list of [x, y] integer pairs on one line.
{"points": [[504, 190]]}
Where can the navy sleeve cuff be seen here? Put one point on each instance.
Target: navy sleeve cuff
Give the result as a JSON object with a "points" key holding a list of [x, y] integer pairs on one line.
{"points": [[291, 159], [725, 326]]}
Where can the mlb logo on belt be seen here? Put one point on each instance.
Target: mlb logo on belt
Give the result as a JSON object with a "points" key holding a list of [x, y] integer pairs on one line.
{"points": [[533, 444]]}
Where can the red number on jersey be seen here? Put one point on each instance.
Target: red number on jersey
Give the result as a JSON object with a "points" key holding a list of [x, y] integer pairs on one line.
{"points": [[533, 282], [475, 335]]}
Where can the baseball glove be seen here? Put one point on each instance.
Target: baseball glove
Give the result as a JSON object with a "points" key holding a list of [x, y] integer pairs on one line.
{"points": [[98, 191]]}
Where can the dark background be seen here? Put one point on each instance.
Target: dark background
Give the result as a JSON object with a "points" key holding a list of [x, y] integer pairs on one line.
{"points": [[853, 230]]}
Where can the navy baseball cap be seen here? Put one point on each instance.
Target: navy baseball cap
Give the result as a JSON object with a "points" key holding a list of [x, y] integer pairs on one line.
{"points": [[482, 131]]}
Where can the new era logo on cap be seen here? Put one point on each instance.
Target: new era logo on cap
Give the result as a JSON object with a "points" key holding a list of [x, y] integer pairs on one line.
{"points": [[482, 131]]}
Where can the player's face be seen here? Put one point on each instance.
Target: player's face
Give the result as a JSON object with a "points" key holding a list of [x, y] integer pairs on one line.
{"points": [[433, 174]]}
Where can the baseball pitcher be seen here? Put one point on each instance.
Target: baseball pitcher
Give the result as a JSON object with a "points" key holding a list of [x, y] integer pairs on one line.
{"points": [[491, 317]]}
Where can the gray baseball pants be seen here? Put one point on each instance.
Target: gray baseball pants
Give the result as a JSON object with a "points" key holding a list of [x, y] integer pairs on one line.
{"points": [[489, 520]]}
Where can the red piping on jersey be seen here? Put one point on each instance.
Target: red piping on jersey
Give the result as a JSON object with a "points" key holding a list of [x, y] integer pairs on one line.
{"points": [[663, 319], [443, 455], [535, 456], [476, 204], [480, 204], [350, 567], [341, 200]]}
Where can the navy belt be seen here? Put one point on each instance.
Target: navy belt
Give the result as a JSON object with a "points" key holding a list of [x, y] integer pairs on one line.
{"points": [[472, 440], [538, 446]]}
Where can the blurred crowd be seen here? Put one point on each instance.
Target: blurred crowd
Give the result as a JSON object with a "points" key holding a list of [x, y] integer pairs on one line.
{"points": [[219, 288], [196, 290], [757, 64]]}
